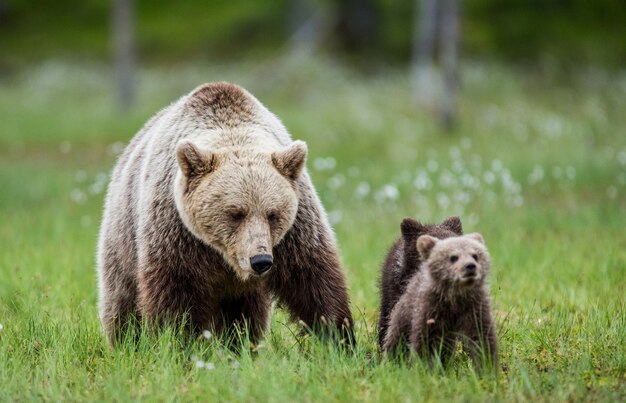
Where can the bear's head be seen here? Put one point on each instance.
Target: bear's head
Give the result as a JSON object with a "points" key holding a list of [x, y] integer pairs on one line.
{"points": [[240, 202], [461, 261], [411, 229]]}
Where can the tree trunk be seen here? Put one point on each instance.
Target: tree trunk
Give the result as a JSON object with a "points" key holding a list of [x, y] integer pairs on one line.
{"points": [[124, 51], [450, 61], [423, 52], [305, 26], [4, 11], [357, 24]]}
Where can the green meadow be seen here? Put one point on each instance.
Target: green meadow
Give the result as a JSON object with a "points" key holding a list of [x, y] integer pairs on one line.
{"points": [[537, 165]]}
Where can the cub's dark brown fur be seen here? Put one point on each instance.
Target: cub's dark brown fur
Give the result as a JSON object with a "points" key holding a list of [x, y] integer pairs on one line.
{"points": [[446, 300], [403, 261]]}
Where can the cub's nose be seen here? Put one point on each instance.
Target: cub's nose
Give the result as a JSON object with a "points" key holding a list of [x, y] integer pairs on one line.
{"points": [[470, 268], [261, 263]]}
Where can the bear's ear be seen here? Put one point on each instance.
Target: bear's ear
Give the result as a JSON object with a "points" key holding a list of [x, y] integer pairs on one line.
{"points": [[453, 223], [410, 227], [477, 237], [290, 161], [193, 161], [425, 244]]}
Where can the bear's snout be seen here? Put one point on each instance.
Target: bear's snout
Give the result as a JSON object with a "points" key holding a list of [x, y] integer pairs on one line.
{"points": [[470, 269], [261, 263]]}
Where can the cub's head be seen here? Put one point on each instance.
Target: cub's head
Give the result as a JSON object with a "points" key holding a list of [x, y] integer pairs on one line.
{"points": [[461, 261], [241, 202], [412, 229]]}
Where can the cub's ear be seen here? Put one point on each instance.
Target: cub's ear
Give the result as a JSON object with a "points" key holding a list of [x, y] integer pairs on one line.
{"points": [[453, 223], [410, 227], [425, 244], [477, 237], [193, 161], [290, 161]]}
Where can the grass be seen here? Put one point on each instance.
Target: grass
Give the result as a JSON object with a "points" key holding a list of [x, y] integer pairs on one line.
{"points": [[538, 166]]}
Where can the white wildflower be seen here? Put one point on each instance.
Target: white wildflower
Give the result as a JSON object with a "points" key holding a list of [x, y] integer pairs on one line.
{"points": [[422, 181], [536, 175], [65, 147], [335, 217], [466, 143], [496, 165], [324, 164], [391, 191], [470, 181], [455, 152], [354, 171], [336, 181], [447, 179], [457, 166], [518, 201], [209, 366], [115, 148], [96, 188], [102, 177], [612, 192], [432, 165], [420, 200], [489, 177], [207, 334], [462, 198], [80, 175], [78, 196], [570, 172], [473, 220], [1, 327], [443, 200], [362, 190], [199, 364]]}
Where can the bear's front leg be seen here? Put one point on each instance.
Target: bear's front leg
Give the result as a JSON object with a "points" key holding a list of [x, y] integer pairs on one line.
{"points": [[480, 336], [170, 295], [430, 337], [399, 329], [247, 315], [309, 282], [317, 296]]}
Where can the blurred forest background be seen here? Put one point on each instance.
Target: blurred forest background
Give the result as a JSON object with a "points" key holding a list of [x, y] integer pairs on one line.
{"points": [[562, 32], [551, 36]]}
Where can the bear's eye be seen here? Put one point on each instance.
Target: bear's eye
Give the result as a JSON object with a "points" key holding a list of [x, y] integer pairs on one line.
{"points": [[475, 257], [454, 258], [237, 215], [272, 216]]}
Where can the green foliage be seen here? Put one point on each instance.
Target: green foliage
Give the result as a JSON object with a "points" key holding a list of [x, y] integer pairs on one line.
{"points": [[538, 167]]}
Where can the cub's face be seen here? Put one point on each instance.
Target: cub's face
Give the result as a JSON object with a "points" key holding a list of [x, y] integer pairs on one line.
{"points": [[458, 261], [242, 203]]}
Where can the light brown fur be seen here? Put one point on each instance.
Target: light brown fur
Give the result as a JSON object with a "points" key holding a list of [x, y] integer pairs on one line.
{"points": [[209, 183], [446, 300]]}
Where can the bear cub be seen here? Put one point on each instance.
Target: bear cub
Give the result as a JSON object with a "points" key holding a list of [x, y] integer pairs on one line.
{"points": [[403, 261], [446, 300]]}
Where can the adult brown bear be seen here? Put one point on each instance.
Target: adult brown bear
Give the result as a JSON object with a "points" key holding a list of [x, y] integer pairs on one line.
{"points": [[210, 213]]}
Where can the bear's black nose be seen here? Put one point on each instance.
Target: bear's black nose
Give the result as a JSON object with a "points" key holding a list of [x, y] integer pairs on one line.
{"points": [[261, 263], [470, 268]]}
